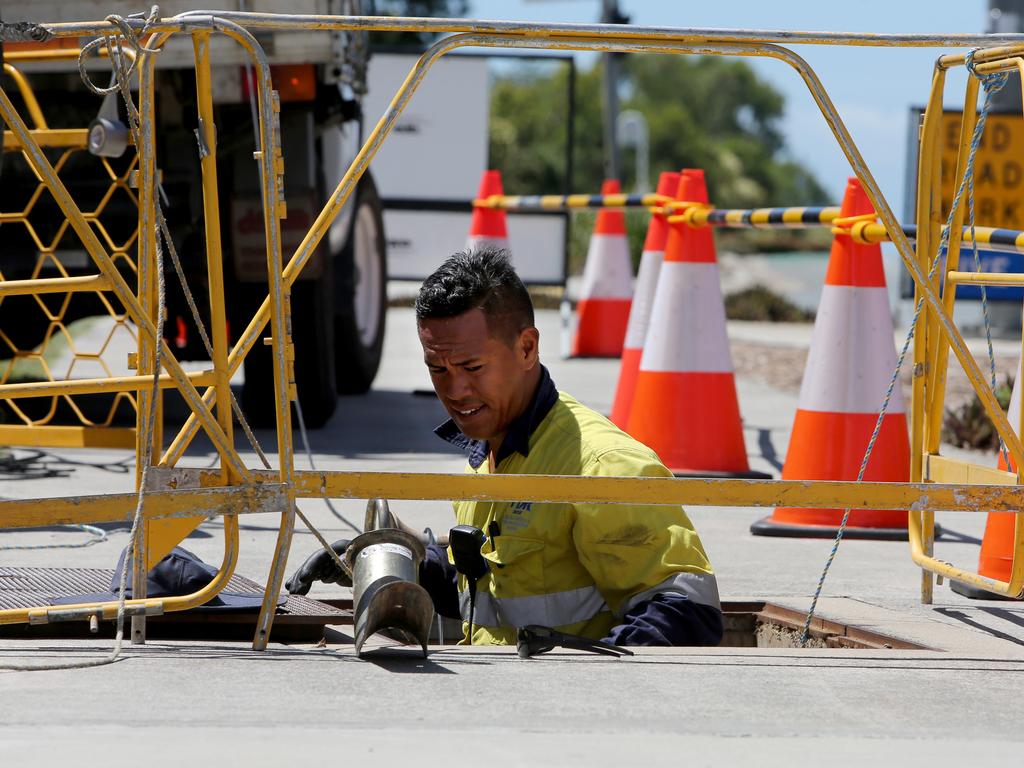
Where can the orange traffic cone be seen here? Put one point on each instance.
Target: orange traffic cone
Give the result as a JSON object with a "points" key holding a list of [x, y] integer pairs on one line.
{"points": [[996, 557], [643, 301], [849, 366], [488, 227], [603, 309], [685, 405]]}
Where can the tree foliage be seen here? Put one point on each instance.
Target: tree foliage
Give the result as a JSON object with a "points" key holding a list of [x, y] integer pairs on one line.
{"points": [[702, 112], [425, 8]]}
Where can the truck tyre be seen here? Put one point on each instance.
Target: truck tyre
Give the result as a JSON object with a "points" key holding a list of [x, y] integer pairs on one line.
{"points": [[360, 307], [312, 303]]}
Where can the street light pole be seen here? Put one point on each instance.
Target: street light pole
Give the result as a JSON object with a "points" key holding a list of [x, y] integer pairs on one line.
{"points": [[631, 130], [610, 14], [1007, 16]]}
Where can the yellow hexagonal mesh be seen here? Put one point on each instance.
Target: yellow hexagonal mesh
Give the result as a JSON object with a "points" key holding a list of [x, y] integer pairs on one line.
{"points": [[65, 336]]}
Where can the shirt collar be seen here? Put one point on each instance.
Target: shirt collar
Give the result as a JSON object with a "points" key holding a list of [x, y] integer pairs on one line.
{"points": [[517, 438]]}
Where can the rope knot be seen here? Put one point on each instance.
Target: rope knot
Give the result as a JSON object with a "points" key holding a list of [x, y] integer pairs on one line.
{"points": [[991, 82], [125, 37]]}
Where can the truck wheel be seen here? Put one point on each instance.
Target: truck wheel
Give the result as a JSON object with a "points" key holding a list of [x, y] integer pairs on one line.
{"points": [[360, 308], [313, 336]]}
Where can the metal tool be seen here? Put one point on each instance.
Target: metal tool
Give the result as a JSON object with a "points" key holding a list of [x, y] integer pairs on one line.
{"points": [[385, 566], [378, 515], [534, 639]]}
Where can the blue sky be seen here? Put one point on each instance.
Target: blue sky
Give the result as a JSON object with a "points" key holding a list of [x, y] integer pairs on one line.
{"points": [[873, 88]]}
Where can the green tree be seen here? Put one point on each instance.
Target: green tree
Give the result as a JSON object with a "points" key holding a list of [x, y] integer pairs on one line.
{"points": [[528, 128], [427, 8], [703, 112]]}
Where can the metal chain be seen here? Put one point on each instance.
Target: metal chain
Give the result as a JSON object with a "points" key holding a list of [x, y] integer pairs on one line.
{"points": [[991, 84]]}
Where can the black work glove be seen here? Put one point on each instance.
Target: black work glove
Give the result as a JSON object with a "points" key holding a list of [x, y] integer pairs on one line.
{"points": [[320, 566]]}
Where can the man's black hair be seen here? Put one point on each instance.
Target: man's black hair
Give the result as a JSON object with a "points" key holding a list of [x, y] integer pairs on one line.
{"points": [[478, 279]]}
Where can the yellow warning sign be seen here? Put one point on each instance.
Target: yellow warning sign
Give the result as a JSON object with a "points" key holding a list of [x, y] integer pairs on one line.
{"points": [[998, 170]]}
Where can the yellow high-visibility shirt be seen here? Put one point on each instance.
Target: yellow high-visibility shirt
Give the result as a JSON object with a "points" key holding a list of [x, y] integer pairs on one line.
{"points": [[579, 568]]}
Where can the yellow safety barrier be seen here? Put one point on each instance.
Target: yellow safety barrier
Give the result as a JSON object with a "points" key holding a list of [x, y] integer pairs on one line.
{"points": [[241, 490], [34, 404], [167, 515], [932, 347]]}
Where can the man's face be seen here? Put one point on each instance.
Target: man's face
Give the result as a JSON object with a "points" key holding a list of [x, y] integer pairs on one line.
{"points": [[482, 380]]}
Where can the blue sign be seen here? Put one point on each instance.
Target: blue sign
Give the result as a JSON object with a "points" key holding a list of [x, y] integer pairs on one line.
{"points": [[991, 261]]}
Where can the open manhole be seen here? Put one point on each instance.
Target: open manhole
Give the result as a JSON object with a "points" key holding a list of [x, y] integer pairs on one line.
{"points": [[757, 624], [749, 624]]}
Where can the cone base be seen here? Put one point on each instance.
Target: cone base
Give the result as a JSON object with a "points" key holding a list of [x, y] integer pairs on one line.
{"points": [[977, 593], [748, 474], [831, 518], [769, 527], [996, 558]]}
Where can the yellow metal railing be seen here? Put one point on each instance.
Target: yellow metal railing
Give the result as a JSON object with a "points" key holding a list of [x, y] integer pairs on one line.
{"points": [[167, 515], [239, 490], [931, 348], [34, 388]]}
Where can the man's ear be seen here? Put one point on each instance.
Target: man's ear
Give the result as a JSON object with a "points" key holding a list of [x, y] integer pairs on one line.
{"points": [[529, 347]]}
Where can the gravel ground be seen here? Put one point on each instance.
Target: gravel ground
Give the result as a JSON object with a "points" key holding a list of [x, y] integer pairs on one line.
{"points": [[782, 367]]}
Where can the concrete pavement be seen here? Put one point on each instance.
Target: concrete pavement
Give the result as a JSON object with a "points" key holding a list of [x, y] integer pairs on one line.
{"points": [[205, 702]]}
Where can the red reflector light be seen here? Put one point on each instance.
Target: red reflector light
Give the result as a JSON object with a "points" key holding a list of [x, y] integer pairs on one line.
{"points": [[295, 82], [55, 44]]}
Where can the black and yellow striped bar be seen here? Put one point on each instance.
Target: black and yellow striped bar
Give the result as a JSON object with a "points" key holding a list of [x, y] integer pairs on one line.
{"points": [[988, 238], [992, 238], [770, 218], [568, 202]]}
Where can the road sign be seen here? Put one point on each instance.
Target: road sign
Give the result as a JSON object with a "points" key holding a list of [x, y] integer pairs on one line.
{"points": [[998, 169], [998, 192]]}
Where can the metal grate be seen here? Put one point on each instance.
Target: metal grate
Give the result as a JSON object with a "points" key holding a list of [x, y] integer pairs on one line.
{"points": [[30, 587]]}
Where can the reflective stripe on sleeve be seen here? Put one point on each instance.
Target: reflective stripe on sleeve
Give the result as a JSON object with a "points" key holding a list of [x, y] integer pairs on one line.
{"points": [[557, 609], [699, 587]]}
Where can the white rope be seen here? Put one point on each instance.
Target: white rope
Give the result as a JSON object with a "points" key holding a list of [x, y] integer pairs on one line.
{"points": [[150, 431], [123, 73]]}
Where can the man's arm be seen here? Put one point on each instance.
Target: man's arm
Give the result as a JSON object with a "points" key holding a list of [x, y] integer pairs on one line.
{"points": [[648, 563], [668, 619], [439, 577]]}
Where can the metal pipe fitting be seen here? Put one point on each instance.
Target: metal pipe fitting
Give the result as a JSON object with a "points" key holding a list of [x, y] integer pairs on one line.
{"points": [[386, 594], [378, 515]]}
